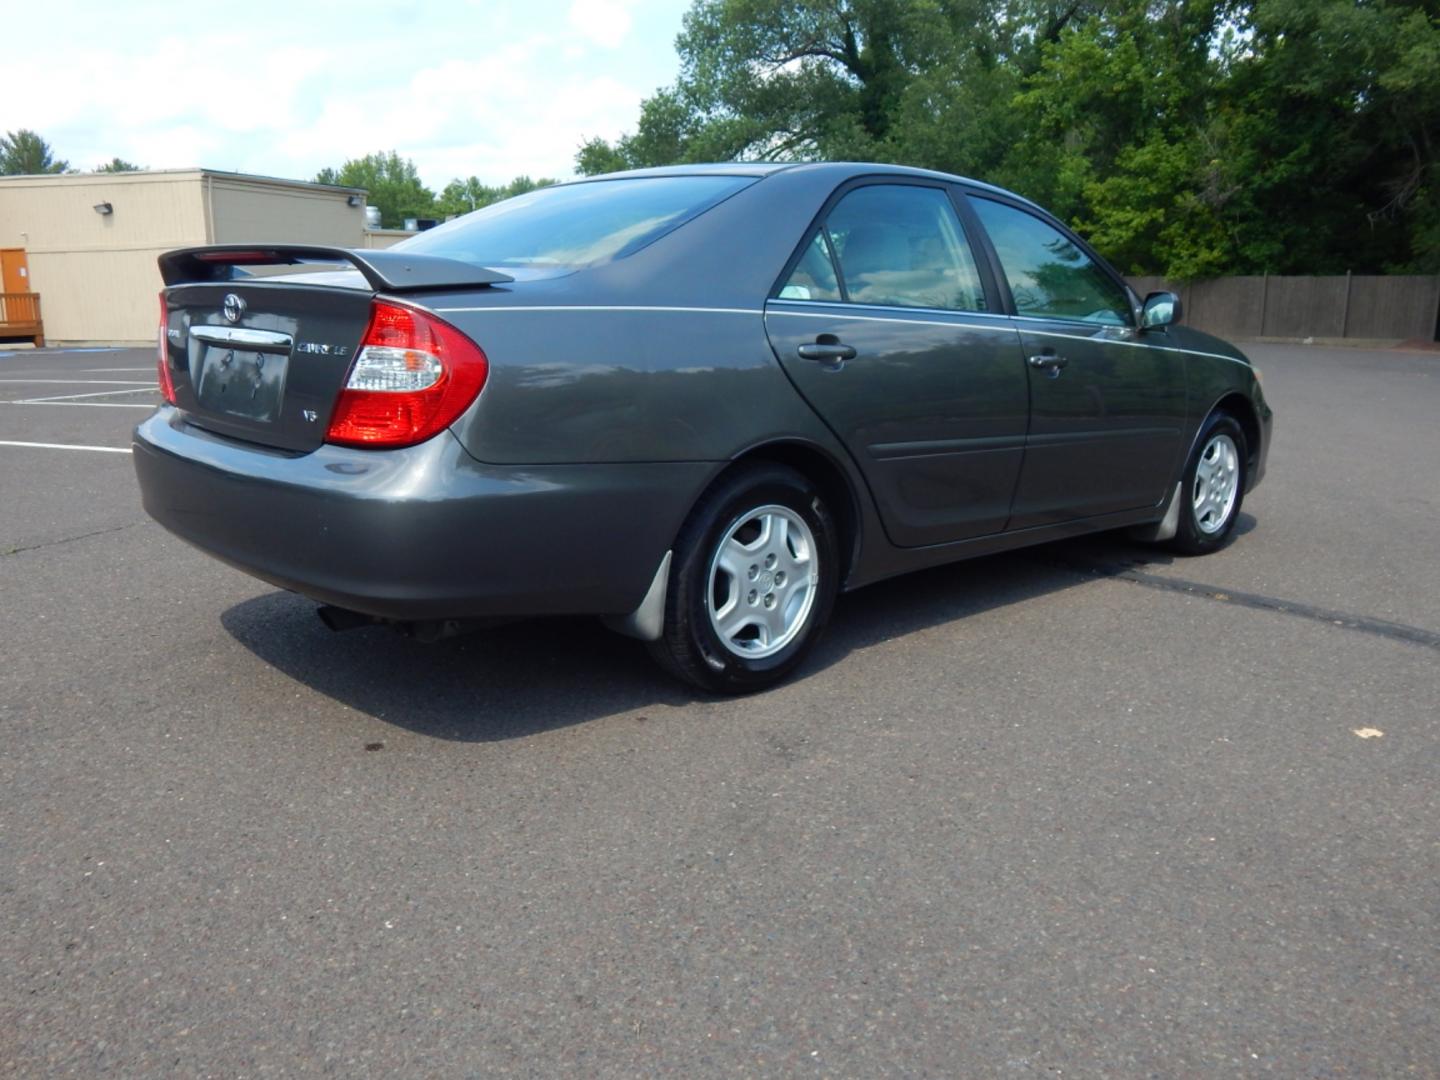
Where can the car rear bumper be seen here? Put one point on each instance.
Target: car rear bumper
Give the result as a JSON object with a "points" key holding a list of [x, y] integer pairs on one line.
{"points": [[425, 532]]}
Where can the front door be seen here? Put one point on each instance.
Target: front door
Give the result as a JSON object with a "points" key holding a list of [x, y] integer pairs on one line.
{"points": [[1106, 411], [887, 327]]}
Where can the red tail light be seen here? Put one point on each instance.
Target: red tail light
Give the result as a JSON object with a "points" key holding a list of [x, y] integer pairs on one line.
{"points": [[413, 377], [167, 384]]}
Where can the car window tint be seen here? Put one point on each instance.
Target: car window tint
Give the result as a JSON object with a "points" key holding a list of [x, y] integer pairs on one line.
{"points": [[564, 228], [902, 246], [1049, 275], [814, 275]]}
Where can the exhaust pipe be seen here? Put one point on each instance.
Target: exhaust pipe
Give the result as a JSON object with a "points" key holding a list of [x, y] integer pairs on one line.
{"points": [[429, 631], [426, 631], [339, 618]]}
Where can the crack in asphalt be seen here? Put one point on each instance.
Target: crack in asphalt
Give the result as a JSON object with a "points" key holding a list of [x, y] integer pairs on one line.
{"points": [[1345, 620], [70, 539]]}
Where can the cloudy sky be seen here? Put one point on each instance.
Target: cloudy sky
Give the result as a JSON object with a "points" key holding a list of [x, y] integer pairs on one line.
{"points": [[491, 88]]}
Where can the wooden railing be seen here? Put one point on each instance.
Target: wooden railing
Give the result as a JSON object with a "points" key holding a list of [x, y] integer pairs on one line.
{"points": [[20, 318]]}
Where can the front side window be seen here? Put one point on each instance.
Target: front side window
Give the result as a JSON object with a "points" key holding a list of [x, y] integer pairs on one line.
{"points": [[1050, 277], [558, 229], [895, 245]]}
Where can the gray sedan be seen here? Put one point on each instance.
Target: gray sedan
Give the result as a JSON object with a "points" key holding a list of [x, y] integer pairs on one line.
{"points": [[697, 402]]}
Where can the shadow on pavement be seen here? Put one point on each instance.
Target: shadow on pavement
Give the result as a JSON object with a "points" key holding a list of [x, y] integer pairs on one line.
{"points": [[529, 677]]}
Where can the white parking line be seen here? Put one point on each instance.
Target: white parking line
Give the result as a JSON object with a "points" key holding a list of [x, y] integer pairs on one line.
{"points": [[4, 381], [66, 446], [106, 370], [83, 404], [92, 393]]}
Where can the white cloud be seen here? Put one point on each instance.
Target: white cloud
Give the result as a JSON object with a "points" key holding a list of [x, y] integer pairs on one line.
{"points": [[605, 22], [498, 91], [496, 118]]}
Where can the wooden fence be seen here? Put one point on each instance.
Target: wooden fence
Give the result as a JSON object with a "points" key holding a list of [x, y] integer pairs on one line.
{"points": [[1403, 307], [20, 318]]}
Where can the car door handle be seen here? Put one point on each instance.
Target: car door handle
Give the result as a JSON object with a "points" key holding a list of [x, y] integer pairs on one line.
{"points": [[828, 351], [1049, 362]]}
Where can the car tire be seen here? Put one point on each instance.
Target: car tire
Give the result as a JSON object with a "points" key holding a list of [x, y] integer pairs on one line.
{"points": [[1213, 487], [753, 581]]}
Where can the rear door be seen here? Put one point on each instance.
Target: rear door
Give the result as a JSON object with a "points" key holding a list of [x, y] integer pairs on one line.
{"points": [[263, 361], [1106, 410], [14, 271], [890, 327]]}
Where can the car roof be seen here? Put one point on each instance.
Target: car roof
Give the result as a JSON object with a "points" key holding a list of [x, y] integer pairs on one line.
{"points": [[838, 172]]}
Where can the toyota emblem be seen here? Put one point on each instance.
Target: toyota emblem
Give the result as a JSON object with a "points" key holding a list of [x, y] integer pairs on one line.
{"points": [[232, 308]]}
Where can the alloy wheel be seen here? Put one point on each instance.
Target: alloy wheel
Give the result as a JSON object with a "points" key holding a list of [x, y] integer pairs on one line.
{"points": [[1217, 481], [762, 582]]}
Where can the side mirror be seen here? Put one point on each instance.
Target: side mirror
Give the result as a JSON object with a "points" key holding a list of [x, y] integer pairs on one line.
{"points": [[1161, 309]]}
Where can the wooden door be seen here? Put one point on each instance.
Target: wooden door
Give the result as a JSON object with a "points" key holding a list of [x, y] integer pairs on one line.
{"points": [[14, 271]]}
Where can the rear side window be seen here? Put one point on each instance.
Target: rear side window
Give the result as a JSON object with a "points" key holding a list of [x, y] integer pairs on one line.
{"points": [[1050, 277], [896, 245], [814, 275], [560, 229]]}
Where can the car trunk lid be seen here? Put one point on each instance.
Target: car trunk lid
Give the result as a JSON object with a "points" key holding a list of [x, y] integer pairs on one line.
{"points": [[264, 358], [262, 362]]}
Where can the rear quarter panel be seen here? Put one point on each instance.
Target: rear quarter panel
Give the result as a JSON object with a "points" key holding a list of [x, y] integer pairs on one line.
{"points": [[621, 385]]}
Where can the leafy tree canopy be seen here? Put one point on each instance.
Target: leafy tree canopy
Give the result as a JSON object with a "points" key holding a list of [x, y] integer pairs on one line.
{"points": [[463, 196], [394, 185], [24, 153], [1186, 137], [392, 182], [117, 165]]}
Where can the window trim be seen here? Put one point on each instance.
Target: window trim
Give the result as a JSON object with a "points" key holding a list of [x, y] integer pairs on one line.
{"points": [[978, 243], [966, 195], [829, 242]]}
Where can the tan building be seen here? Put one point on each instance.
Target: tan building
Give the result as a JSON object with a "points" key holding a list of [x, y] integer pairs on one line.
{"points": [[87, 243]]}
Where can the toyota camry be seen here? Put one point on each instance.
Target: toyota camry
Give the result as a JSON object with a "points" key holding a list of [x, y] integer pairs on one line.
{"points": [[697, 402]]}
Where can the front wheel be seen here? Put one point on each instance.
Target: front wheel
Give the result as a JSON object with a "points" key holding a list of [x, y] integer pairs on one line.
{"points": [[754, 578], [1212, 488]]}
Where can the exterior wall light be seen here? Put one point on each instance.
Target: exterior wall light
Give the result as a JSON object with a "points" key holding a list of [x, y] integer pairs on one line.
{"points": [[104, 208]]}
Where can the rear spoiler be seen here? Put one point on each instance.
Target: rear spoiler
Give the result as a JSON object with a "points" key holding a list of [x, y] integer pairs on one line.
{"points": [[386, 271]]}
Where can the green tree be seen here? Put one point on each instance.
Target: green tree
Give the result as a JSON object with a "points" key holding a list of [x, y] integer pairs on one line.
{"points": [[1333, 136], [463, 196], [596, 156], [116, 164], [1117, 135], [1288, 136], [24, 153], [392, 184], [814, 79], [771, 79], [1187, 137]]}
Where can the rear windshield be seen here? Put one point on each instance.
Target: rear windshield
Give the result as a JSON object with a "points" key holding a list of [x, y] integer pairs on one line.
{"points": [[559, 229]]}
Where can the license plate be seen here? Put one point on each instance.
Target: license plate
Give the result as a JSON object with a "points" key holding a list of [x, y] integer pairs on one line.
{"points": [[241, 383]]}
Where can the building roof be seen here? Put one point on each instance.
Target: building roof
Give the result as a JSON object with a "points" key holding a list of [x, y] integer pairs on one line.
{"points": [[143, 175]]}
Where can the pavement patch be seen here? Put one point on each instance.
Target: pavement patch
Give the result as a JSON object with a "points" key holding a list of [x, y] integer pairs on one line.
{"points": [[1365, 624]]}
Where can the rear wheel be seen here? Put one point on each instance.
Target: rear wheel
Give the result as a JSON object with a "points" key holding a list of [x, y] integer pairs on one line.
{"points": [[1212, 488], [752, 584]]}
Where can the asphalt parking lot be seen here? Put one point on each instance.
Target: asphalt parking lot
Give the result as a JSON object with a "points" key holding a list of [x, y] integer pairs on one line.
{"points": [[1083, 810]]}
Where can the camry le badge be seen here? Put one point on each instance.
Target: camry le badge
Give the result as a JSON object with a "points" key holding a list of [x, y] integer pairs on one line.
{"points": [[232, 308]]}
